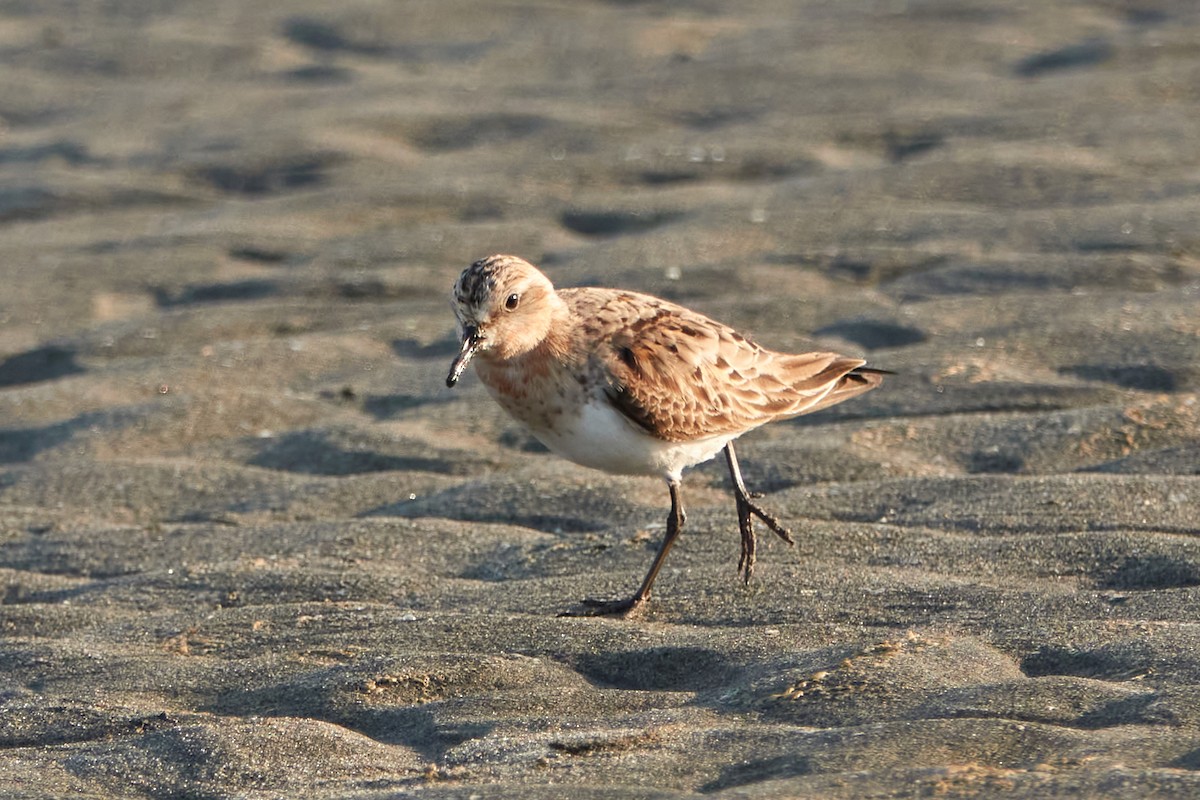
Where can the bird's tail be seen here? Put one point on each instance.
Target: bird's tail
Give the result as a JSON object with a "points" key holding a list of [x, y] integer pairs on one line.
{"points": [[859, 380]]}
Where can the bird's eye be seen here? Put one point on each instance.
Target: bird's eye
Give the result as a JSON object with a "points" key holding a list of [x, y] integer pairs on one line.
{"points": [[511, 302]]}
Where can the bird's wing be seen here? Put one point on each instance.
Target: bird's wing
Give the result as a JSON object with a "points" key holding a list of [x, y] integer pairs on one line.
{"points": [[682, 376]]}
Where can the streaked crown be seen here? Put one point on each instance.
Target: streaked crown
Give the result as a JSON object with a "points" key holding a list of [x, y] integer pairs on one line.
{"points": [[507, 300]]}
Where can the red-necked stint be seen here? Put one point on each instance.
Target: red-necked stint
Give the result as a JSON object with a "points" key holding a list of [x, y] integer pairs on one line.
{"points": [[631, 384]]}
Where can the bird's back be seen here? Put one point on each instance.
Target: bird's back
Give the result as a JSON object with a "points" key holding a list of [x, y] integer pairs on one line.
{"points": [[682, 376]]}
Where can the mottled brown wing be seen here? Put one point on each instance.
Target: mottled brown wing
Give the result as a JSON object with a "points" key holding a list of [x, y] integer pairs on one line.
{"points": [[682, 376]]}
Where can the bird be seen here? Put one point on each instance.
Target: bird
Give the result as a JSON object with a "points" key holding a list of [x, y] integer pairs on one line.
{"points": [[632, 384]]}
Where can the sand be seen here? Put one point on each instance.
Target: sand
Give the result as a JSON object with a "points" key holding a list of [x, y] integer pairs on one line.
{"points": [[251, 546]]}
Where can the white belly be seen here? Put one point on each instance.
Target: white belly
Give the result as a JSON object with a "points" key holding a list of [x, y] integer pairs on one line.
{"points": [[598, 436]]}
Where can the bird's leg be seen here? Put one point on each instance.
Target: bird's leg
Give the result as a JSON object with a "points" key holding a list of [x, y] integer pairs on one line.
{"points": [[746, 511], [675, 520]]}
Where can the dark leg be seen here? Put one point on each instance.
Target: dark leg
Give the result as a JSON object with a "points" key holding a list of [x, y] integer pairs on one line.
{"points": [[746, 511], [675, 521]]}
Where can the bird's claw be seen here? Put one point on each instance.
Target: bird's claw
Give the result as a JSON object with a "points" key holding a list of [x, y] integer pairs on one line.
{"points": [[607, 608]]}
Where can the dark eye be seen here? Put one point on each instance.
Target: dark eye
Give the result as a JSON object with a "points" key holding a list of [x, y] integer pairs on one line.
{"points": [[512, 301]]}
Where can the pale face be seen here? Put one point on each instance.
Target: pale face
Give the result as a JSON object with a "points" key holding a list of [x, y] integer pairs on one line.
{"points": [[504, 308]]}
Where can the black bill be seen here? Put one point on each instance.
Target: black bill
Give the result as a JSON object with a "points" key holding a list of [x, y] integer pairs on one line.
{"points": [[470, 343]]}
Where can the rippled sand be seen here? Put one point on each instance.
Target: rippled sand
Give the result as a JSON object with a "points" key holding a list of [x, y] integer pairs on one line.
{"points": [[252, 546]]}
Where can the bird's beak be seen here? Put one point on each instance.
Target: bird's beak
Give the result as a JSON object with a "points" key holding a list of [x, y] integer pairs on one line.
{"points": [[471, 341]]}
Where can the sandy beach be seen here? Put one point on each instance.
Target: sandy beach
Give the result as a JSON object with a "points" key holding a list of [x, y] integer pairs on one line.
{"points": [[253, 547]]}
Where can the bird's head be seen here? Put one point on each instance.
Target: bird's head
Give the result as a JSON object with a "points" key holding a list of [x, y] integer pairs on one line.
{"points": [[504, 307]]}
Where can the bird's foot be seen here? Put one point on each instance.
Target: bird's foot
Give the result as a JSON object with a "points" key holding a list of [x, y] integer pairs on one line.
{"points": [[747, 511], [772, 523], [630, 607]]}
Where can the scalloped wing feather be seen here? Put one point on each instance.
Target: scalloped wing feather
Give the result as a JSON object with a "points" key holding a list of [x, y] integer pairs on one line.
{"points": [[682, 376]]}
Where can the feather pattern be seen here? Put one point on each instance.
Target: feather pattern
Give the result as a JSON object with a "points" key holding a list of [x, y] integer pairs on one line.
{"points": [[682, 376]]}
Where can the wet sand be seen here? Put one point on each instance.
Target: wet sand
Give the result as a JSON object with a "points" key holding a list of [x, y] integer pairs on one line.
{"points": [[253, 547]]}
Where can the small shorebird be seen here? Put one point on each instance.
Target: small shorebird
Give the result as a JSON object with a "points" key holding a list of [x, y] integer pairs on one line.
{"points": [[635, 385]]}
